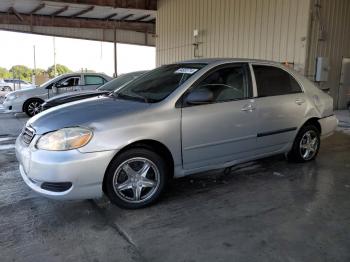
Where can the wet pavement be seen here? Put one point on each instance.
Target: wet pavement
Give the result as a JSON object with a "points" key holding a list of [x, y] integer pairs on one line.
{"points": [[267, 210]]}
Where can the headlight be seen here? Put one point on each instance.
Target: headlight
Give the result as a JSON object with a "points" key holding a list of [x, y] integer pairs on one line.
{"points": [[65, 139], [11, 96]]}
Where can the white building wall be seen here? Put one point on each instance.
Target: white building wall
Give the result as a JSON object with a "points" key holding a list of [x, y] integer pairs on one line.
{"points": [[264, 29]]}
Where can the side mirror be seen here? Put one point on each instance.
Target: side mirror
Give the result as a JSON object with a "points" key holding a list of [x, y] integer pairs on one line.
{"points": [[199, 97]]}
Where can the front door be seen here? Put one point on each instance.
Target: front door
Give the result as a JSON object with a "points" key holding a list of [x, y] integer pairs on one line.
{"points": [[281, 107], [68, 84], [224, 129]]}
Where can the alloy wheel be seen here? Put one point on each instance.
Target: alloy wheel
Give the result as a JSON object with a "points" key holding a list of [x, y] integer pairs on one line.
{"points": [[136, 180], [309, 144], [34, 108]]}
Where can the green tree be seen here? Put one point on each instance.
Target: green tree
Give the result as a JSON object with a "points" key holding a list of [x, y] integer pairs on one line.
{"points": [[22, 72], [60, 69], [4, 73], [39, 71]]}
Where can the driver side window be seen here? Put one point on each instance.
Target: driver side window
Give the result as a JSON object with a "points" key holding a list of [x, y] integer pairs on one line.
{"points": [[227, 83], [71, 81]]}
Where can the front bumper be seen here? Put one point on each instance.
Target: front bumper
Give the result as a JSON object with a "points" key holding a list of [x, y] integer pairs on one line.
{"points": [[85, 171], [328, 125], [12, 106]]}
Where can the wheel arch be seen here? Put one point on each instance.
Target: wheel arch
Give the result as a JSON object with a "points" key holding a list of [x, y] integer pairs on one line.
{"points": [[150, 144], [313, 121]]}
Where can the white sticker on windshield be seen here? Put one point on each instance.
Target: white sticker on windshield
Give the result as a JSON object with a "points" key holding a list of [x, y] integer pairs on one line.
{"points": [[189, 71]]}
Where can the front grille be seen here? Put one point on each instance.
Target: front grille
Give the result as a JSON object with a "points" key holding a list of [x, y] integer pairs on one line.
{"points": [[27, 135]]}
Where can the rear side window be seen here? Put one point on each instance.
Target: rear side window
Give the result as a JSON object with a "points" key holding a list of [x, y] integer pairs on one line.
{"points": [[273, 81], [94, 80]]}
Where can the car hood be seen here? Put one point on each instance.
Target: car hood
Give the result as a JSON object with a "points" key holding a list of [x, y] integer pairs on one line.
{"points": [[63, 97], [30, 91], [90, 112]]}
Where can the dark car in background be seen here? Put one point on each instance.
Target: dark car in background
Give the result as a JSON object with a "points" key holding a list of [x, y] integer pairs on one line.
{"points": [[104, 89]]}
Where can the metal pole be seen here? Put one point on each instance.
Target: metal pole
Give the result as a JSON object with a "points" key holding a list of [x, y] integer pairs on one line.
{"points": [[34, 75], [115, 52], [54, 56]]}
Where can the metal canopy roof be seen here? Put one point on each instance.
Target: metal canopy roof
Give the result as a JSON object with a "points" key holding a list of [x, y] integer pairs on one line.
{"points": [[130, 15]]}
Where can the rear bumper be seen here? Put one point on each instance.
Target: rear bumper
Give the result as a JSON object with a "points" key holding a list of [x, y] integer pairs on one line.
{"points": [[328, 125]]}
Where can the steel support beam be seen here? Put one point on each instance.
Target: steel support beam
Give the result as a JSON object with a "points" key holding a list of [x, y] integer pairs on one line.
{"points": [[90, 8], [38, 8], [60, 21], [128, 4], [59, 11], [110, 16], [115, 51], [14, 11]]}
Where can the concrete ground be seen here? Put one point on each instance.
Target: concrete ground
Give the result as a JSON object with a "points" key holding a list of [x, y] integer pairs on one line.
{"points": [[267, 210]]}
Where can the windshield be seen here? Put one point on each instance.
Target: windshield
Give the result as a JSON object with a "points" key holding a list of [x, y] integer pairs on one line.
{"points": [[49, 81], [119, 81], [158, 83]]}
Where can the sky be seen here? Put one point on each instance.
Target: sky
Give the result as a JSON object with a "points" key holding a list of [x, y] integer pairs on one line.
{"points": [[17, 49]]}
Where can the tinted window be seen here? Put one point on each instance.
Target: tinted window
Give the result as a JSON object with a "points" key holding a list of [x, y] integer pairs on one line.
{"points": [[228, 83], [273, 81], [117, 82], [158, 83], [94, 80]]}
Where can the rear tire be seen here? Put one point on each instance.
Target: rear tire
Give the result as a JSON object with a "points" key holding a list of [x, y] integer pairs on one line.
{"points": [[32, 106], [136, 178], [7, 89], [306, 144]]}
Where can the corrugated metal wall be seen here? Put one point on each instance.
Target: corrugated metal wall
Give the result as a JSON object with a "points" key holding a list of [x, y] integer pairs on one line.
{"points": [[334, 17], [263, 29]]}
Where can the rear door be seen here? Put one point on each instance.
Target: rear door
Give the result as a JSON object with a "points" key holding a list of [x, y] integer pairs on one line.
{"points": [[281, 107], [225, 129], [91, 82]]}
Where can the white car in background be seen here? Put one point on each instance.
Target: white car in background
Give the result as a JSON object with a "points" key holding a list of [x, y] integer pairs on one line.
{"points": [[14, 84], [30, 100]]}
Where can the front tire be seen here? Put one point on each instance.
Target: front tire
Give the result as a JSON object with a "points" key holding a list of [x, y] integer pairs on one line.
{"points": [[32, 107], [306, 144], [136, 178]]}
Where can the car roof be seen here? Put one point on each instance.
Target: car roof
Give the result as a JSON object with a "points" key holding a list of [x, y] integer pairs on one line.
{"points": [[135, 73], [226, 60], [83, 73]]}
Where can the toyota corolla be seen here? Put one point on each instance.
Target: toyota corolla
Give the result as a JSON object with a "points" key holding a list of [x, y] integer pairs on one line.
{"points": [[174, 121]]}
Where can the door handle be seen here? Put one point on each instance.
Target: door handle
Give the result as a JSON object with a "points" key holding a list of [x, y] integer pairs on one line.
{"points": [[299, 101], [248, 107]]}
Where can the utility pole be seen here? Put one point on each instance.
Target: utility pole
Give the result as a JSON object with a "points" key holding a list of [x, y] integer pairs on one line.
{"points": [[115, 51], [54, 56], [34, 73]]}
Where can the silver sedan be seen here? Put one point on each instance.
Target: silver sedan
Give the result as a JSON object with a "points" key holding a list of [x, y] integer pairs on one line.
{"points": [[174, 121]]}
